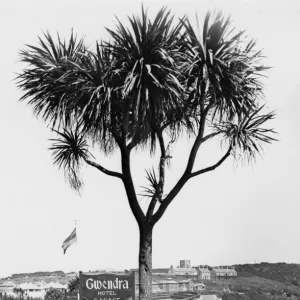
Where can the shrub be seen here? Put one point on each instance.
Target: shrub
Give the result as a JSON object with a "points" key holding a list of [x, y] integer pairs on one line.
{"points": [[54, 294]]}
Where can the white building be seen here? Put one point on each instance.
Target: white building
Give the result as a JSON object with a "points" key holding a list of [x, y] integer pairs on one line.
{"points": [[223, 273], [40, 288], [32, 290], [209, 297], [7, 286], [203, 273], [183, 271]]}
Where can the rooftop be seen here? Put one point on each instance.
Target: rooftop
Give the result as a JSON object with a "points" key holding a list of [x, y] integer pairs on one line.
{"points": [[208, 297], [203, 269], [227, 271], [185, 269]]}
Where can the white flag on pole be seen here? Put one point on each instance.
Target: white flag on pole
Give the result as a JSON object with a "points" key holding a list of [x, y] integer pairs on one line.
{"points": [[72, 238]]}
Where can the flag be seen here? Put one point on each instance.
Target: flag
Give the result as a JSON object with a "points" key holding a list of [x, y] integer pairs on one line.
{"points": [[72, 238]]}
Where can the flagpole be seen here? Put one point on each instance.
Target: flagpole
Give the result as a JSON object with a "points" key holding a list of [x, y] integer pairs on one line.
{"points": [[78, 262]]}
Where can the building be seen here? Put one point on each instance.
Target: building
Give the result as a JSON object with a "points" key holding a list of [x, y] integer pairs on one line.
{"points": [[192, 272], [170, 286], [38, 289], [7, 286], [223, 273], [209, 297], [56, 285], [32, 290], [160, 271], [185, 263], [199, 286], [203, 273]]}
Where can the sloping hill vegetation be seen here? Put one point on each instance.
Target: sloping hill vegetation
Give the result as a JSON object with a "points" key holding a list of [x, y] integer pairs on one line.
{"points": [[265, 281], [282, 272], [38, 274]]}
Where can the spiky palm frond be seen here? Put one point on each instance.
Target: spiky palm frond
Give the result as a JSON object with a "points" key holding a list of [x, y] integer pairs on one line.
{"points": [[73, 285], [150, 76], [68, 152], [247, 135], [152, 189], [222, 68], [145, 71], [66, 84], [50, 83]]}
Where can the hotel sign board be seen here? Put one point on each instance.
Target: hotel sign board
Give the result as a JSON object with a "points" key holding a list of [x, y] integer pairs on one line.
{"points": [[106, 286]]}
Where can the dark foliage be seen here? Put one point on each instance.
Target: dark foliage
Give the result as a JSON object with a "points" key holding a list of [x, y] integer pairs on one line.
{"points": [[68, 151], [152, 77], [54, 294], [73, 285], [37, 274]]}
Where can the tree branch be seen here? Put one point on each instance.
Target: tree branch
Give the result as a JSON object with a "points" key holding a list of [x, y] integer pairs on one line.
{"points": [[211, 168], [209, 136], [131, 145], [159, 192], [151, 207], [188, 171], [197, 143], [165, 203], [129, 187], [186, 175], [162, 164], [103, 170]]}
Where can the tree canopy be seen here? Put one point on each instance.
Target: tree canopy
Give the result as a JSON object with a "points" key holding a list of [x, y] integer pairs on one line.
{"points": [[151, 77]]}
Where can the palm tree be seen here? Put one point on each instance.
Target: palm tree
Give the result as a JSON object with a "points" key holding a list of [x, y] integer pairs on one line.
{"points": [[73, 285], [154, 80]]}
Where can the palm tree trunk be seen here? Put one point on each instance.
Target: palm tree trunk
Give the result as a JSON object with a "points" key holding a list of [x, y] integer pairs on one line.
{"points": [[145, 264]]}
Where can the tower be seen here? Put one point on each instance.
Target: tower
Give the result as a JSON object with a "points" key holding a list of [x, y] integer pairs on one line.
{"points": [[185, 263]]}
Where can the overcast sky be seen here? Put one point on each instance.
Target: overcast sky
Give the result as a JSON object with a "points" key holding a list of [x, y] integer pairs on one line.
{"points": [[236, 214]]}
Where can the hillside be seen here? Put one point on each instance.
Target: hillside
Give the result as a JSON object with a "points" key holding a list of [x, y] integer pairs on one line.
{"points": [[38, 274], [265, 281], [47, 277], [282, 272]]}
